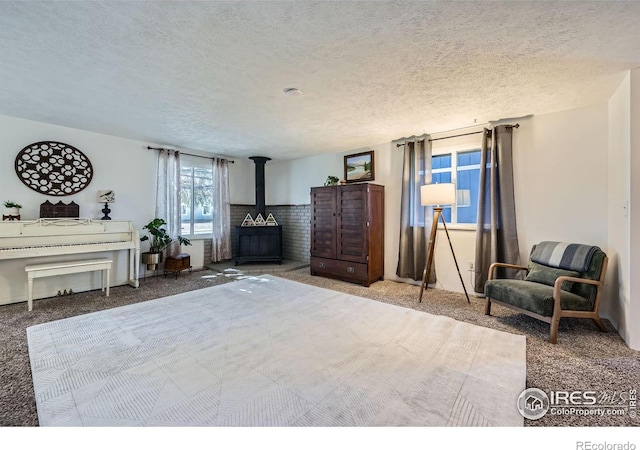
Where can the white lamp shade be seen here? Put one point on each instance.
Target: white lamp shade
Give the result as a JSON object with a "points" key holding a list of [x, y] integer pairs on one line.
{"points": [[106, 196], [438, 194]]}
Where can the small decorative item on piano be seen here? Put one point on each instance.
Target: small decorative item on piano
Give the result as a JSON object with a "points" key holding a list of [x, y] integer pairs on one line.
{"points": [[50, 211], [106, 197], [12, 210]]}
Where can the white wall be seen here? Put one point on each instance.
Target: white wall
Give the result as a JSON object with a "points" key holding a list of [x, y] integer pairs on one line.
{"points": [[560, 172], [124, 165], [633, 316], [296, 177], [618, 289], [242, 189]]}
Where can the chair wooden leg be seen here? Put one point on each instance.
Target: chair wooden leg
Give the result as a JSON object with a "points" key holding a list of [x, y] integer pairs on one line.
{"points": [[553, 332], [424, 285], [487, 307], [599, 324]]}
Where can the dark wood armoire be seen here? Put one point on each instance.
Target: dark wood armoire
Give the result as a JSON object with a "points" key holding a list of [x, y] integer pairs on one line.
{"points": [[347, 232]]}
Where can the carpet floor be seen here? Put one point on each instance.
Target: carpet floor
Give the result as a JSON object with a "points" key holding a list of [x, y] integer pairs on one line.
{"points": [[265, 351], [584, 358]]}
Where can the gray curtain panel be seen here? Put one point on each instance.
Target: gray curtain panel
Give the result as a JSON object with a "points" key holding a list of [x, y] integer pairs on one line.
{"points": [[168, 200], [496, 236], [415, 219], [221, 240]]}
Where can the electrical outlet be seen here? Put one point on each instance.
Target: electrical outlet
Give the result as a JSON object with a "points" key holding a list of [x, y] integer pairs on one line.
{"points": [[471, 266]]}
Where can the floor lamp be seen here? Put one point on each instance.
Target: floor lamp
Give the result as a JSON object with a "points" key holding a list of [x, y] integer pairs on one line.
{"points": [[436, 195]]}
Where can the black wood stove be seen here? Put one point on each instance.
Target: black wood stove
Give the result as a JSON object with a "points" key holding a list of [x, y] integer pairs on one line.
{"points": [[259, 243]]}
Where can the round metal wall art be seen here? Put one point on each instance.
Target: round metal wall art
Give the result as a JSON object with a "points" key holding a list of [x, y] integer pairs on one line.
{"points": [[53, 168]]}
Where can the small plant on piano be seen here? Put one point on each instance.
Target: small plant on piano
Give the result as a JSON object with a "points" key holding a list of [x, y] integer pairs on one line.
{"points": [[12, 208], [159, 240]]}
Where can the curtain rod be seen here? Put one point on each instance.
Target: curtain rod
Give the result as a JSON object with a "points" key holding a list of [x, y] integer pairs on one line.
{"points": [[190, 154], [517, 125]]}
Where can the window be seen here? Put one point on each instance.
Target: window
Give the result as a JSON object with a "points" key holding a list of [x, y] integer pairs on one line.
{"points": [[463, 169], [467, 186], [196, 190]]}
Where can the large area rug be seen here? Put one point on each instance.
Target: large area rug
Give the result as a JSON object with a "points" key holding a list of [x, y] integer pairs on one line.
{"points": [[265, 351]]}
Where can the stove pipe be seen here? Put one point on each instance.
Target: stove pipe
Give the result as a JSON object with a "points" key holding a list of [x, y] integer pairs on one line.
{"points": [[260, 161]]}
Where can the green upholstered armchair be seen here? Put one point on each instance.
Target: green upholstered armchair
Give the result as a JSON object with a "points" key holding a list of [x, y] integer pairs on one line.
{"points": [[563, 280]]}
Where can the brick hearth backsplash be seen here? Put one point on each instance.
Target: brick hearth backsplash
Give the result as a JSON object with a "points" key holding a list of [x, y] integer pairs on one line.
{"points": [[295, 221]]}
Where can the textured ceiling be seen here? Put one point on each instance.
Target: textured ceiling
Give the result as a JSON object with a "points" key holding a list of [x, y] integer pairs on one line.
{"points": [[210, 75]]}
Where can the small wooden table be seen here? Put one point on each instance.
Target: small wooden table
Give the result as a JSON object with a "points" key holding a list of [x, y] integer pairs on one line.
{"points": [[10, 217], [176, 264]]}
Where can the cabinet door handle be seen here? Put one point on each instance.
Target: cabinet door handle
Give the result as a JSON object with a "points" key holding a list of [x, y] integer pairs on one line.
{"points": [[322, 265], [350, 269]]}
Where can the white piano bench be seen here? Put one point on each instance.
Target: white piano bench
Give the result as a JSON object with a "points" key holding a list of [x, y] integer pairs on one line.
{"points": [[67, 267]]}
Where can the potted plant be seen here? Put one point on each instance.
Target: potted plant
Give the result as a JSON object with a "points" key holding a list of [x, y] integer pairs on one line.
{"points": [[12, 208], [331, 181], [159, 240]]}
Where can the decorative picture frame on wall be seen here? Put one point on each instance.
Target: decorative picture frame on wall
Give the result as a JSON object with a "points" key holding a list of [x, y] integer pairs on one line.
{"points": [[53, 168], [359, 167]]}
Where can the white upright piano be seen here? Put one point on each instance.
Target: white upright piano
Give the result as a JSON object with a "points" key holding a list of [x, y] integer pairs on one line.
{"points": [[69, 236]]}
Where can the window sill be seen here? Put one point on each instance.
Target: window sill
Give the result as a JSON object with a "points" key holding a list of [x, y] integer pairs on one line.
{"points": [[197, 237], [458, 227]]}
